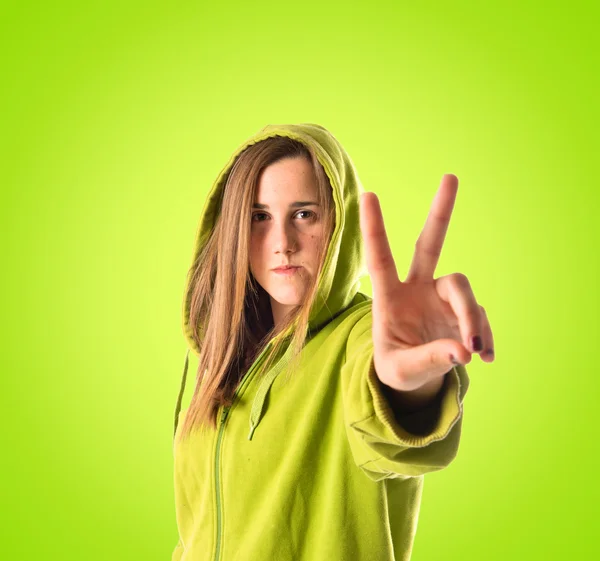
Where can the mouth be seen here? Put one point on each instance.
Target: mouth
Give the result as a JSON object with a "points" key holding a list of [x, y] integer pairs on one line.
{"points": [[286, 270]]}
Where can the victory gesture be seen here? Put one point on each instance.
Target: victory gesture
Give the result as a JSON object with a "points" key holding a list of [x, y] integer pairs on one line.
{"points": [[422, 326]]}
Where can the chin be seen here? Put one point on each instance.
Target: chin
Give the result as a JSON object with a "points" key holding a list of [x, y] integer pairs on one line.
{"points": [[287, 299]]}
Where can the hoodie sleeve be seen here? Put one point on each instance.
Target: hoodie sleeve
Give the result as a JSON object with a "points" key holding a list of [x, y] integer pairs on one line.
{"points": [[394, 444]]}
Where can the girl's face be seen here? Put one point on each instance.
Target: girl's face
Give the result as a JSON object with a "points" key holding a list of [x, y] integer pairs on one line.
{"points": [[286, 228]]}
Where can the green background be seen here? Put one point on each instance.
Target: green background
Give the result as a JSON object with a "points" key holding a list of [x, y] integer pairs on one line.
{"points": [[116, 119]]}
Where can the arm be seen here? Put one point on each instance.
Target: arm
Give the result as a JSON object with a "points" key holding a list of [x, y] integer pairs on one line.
{"points": [[390, 442]]}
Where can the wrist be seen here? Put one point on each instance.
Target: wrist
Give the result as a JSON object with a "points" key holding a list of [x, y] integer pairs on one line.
{"points": [[414, 400]]}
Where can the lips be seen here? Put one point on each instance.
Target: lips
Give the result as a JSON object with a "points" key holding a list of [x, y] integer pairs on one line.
{"points": [[286, 268]]}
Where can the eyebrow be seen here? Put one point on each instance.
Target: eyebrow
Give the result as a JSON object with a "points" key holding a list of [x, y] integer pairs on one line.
{"points": [[292, 205]]}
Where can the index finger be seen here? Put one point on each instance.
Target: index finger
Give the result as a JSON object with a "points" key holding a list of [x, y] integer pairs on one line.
{"points": [[429, 245], [378, 254]]}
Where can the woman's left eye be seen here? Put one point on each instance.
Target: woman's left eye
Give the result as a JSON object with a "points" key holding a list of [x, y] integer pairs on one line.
{"points": [[310, 212]]}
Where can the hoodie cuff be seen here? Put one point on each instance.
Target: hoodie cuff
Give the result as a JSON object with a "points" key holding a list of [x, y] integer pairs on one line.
{"points": [[426, 425]]}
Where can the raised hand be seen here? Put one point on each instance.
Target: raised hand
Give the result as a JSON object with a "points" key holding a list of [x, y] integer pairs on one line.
{"points": [[421, 326]]}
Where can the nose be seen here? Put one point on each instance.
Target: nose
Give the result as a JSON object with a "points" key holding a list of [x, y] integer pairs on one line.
{"points": [[284, 239]]}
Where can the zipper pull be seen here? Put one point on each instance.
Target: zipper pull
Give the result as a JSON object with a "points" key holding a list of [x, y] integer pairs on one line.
{"points": [[225, 413]]}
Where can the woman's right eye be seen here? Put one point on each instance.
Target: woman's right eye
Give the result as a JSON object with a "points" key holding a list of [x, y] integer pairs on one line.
{"points": [[258, 214]]}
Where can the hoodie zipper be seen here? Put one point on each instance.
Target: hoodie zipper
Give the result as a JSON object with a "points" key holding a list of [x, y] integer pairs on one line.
{"points": [[217, 479], [224, 413]]}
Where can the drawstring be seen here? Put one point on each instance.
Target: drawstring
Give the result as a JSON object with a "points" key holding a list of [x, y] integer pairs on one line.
{"points": [[261, 394], [180, 398]]}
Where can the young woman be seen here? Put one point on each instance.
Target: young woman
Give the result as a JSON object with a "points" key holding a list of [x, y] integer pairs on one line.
{"points": [[316, 410]]}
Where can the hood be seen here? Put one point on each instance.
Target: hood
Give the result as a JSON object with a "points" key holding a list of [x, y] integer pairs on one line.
{"points": [[344, 261]]}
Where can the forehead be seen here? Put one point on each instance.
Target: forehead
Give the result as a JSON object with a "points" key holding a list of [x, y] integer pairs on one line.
{"points": [[287, 179]]}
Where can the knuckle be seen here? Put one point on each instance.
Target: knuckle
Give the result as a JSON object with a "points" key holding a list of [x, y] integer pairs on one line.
{"points": [[426, 248], [384, 262], [401, 377], [433, 359], [475, 318], [461, 280]]}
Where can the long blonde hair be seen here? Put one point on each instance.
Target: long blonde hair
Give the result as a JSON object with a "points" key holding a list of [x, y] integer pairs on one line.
{"points": [[231, 310]]}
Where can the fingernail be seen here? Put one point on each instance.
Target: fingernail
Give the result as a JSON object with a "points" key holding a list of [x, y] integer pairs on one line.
{"points": [[477, 343]]}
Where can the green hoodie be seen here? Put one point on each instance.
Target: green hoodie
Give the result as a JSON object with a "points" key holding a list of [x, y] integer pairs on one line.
{"points": [[318, 467]]}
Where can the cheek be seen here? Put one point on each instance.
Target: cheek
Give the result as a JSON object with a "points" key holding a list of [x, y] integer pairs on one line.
{"points": [[256, 250], [314, 241]]}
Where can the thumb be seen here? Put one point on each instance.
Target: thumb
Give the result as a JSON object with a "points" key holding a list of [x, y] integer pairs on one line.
{"points": [[417, 365]]}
